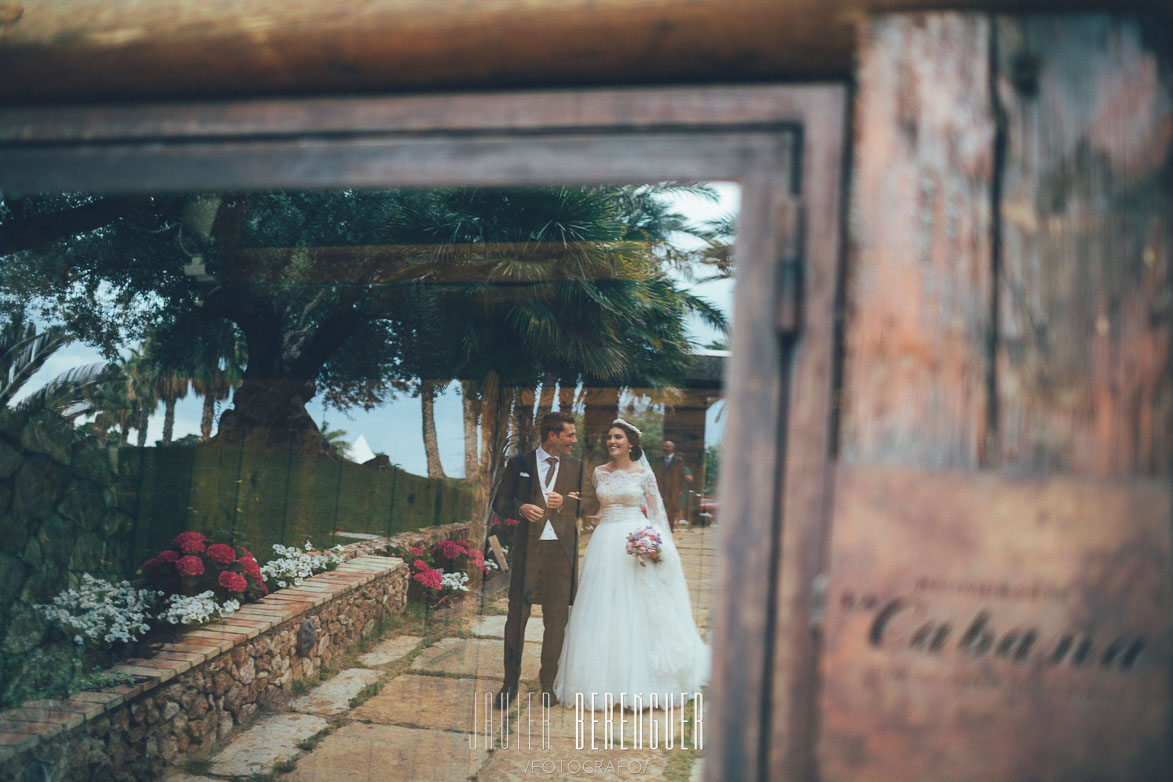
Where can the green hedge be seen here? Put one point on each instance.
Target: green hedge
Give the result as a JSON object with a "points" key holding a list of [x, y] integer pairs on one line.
{"points": [[257, 497]]}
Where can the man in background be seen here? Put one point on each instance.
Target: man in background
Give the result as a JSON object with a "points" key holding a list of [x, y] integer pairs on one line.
{"points": [[669, 472]]}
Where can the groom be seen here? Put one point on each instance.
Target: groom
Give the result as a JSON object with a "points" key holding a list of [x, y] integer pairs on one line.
{"points": [[537, 487]]}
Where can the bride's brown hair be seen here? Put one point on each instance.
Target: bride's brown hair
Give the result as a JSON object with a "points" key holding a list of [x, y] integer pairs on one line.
{"points": [[632, 437]]}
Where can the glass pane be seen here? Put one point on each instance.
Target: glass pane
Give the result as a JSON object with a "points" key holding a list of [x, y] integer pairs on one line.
{"points": [[219, 395]]}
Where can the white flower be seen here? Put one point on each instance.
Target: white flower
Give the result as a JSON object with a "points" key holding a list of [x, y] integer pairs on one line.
{"points": [[100, 611], [295, 565], [197, 609]]}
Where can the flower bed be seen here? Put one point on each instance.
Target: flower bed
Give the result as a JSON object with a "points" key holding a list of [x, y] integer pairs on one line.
{"points": [[193, 691]]}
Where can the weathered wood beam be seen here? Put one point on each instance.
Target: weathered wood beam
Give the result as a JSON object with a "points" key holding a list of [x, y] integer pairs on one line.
{"points": [[87, 50]]}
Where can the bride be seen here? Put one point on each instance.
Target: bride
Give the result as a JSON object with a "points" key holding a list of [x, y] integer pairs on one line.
{"points": [[631, 628]]}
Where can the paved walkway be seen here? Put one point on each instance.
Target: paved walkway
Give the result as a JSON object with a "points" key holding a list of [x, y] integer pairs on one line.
{"points": [[412, 708]]}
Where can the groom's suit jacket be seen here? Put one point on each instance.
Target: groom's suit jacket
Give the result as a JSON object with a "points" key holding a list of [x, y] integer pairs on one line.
{"points": [[522, 483]]}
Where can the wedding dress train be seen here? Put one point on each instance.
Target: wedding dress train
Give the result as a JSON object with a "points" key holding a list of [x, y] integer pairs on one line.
{"points": [[631, 629]]}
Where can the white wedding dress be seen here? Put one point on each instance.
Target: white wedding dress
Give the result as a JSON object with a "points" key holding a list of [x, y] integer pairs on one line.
{"points": [[631, 628]]}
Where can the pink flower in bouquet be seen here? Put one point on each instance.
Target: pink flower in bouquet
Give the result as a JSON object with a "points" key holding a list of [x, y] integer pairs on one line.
{"points": [[511, 522], [168, 556], [190, 566], [644, 545], [233, 582], [220, 553], [190, 543]]}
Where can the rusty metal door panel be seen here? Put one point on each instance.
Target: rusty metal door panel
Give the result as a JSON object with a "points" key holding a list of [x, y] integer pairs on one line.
{"points": [[989, 628]]}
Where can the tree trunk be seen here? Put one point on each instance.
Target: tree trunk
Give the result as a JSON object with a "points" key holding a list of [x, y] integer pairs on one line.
{"points": [[601, 408], [471, 405], [428, 390], [144, 417], [566, 387], [168, 419], [546, 400], [523, 420], [272, 413], [490, 404], [208, 418], [494, 423]]}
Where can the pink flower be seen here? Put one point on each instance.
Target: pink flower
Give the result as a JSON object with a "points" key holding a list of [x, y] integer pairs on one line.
{"points": [[190, 566], [152, 562], [511, 522], [233, 582], [419, 564], [168, 556], [190, 543], [419, 552], [220, 553], [429, 578]]}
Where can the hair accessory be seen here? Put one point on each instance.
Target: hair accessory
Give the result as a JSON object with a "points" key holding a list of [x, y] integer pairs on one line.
{"points": [[621, 422]]}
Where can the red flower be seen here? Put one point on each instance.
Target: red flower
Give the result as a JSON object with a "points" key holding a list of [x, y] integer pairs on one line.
{"points": [[168, 556], [419, 552], [494, 521], [429, 578], [233, 582], [190, 566], [419, 564], [190, 543], [511, 522], [449, 549], [220, 553], [152, 562], [251, 568]]}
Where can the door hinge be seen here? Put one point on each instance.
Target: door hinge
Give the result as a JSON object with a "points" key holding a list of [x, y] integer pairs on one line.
{"points": [[818, 604], [789, 215]]}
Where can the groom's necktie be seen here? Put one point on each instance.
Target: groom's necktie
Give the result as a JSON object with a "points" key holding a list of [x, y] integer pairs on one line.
{"points": [[553, 462]]}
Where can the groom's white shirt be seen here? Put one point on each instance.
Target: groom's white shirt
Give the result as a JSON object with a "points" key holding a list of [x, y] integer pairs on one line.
{"points": [[547, 486]]}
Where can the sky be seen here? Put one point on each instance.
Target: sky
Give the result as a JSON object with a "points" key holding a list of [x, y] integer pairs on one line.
{"points": [[395, 428]]}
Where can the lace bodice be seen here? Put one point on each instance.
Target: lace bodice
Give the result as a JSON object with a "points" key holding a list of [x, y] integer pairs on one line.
{"points": [[619, 492]]}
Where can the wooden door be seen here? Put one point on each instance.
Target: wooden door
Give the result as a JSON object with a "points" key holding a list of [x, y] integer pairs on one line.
{"points": [[994, 602]]}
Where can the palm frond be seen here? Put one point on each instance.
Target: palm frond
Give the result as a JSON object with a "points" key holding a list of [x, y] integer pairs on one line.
{"points": [[66, 393]]}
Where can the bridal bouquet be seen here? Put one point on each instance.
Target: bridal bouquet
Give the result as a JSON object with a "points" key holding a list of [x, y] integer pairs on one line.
{"points": [[644, 544]]}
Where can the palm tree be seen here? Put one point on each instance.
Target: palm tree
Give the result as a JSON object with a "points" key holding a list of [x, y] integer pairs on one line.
{"points": [[23, 351], [516, 286], [218, 368], [336, 438]]}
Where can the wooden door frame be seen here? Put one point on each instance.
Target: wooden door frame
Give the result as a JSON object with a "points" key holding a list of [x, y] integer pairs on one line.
{"points": [[785, 145]]}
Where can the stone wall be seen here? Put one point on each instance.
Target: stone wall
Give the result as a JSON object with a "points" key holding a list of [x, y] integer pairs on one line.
{"points": [[192, 692], [59, 518]]}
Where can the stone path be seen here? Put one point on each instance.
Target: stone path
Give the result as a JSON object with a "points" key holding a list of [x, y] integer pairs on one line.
{"points": [[428, 720]]}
